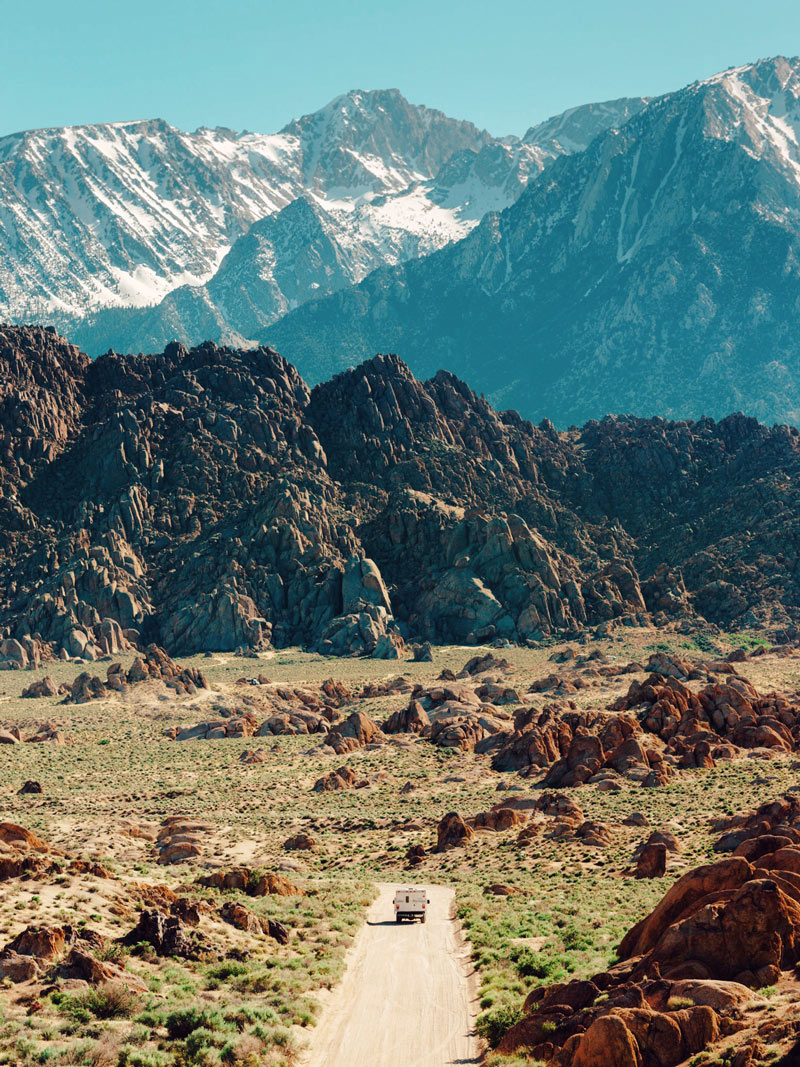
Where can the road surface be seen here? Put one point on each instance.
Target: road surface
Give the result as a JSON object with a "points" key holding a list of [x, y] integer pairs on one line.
{"points": [[406, 997]]}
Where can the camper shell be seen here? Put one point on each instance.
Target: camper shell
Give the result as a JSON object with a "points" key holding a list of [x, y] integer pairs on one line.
{"points": [[410, 903]]}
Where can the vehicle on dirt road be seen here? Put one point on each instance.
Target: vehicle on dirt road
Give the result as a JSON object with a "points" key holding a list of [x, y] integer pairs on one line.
{"points": [[410, 904]]}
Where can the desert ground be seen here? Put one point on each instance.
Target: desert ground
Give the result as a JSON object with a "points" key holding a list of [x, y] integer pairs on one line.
{"points": [[128, 820]]}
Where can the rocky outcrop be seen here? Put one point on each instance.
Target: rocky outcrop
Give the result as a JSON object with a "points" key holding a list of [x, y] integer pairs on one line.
{"points": [[153, 664], [686, 971], [235, 725], [455, 714], [244, 919], [252, 882], [180, 839], [45, 687], [64, 951], [166, 934], [301, 842], [660, 727], [452, 832], [343, 778], [356, 731], [206, 499]]}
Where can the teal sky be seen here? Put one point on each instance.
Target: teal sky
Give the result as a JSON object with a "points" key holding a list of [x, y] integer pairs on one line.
{"points": [[251, 65]]}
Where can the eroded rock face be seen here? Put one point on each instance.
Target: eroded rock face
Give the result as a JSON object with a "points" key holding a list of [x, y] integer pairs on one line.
{"points": [[153, 664], [254, 883], [166, 934], [356, 731], [244, 919], [206, 499], [343, 778], [453, 832], [660, 727], [687, 970]]}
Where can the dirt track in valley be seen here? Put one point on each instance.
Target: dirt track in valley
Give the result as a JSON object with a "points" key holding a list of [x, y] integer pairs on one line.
{"points": [[406, 999]]}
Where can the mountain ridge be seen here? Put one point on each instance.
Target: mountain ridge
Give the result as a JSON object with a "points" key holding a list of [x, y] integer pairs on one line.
{"points": [[654, 272], [208, 499], [103, 219]]}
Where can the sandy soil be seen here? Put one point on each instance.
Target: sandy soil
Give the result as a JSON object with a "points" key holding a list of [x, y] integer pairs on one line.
{"points": [[405, 1000]]}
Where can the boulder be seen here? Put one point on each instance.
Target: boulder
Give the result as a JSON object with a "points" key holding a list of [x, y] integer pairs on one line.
{"points": [[413, 719], [301, 842], [165, 933], [652, 861], [452, 832], [356, 731], [45, 687], [17, 968], [343, 778]]}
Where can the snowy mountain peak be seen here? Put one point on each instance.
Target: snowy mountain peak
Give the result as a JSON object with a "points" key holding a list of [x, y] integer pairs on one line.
{"points": [[758, 107], [130, 234], [119, 215], [375, 139]]}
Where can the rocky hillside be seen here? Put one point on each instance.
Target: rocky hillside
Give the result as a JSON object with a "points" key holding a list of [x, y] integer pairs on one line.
{"points": [[206, 499], [137, 233], [653, 273]]}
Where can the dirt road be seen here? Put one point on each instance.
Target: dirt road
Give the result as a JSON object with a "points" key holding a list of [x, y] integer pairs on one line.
{"points": [[405, 1000]]}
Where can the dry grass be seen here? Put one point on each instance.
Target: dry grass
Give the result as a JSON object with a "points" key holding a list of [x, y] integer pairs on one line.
{"points": [[573, 903]]}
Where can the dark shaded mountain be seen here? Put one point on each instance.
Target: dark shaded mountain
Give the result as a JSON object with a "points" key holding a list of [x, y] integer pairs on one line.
{"points": [[655, 272], [207, 499]]}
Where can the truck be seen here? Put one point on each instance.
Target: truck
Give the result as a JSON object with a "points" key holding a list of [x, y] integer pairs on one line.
{"points": [[410, 904]]}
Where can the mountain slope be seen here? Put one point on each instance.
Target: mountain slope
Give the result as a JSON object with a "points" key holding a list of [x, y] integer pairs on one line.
{"points": [[655, 272], [208, 499], [95, 221]]}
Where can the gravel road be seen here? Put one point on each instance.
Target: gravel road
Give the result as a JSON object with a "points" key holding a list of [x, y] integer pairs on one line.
{"points": [[406, 998]]}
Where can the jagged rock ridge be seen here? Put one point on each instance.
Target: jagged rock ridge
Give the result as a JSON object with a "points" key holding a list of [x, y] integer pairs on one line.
{"points": [[206, 499]]}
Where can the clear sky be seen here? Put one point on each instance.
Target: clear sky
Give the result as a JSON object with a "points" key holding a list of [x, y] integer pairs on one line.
{"points": [[504, 64]]}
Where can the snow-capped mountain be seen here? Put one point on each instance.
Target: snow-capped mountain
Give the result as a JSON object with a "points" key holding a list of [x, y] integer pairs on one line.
{"points": [[98, 224], [655, 272]]}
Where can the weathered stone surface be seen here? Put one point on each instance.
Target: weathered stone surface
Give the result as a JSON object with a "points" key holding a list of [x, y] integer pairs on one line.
{"points": [[301, 842], [452, 832], [165, 933], [356, 731], [343, 778], [207, 500], [180, 839], [687, 971], [652, 860], [45, 687], [254, 883]]}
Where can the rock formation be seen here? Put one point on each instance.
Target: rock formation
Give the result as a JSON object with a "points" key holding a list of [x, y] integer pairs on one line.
{"points": [[206, 499], [686, 971]]}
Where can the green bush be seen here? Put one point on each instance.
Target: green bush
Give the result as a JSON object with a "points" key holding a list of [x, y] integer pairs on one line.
{"points": [[111, 1001], [492, 1025], [180, 1024], [575, 939], [532, 964], [135, 1057]]}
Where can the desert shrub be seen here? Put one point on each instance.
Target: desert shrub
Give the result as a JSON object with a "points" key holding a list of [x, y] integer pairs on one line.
{"points": [[111, 1001], [492, 1025], [228, 969], [532, 964], [180, 1024], [199, 1042], [576, 940], [136, 1057]]}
